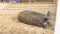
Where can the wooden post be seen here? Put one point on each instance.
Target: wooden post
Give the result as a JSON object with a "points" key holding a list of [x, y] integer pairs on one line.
{"points": [[29, 1]]}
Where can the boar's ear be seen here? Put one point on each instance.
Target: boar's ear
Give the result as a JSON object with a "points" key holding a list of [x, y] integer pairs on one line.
{"points": [[49, 13]]}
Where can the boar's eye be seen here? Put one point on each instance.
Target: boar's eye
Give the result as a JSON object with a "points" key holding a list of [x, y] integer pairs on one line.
{"points": [[45, 19]]}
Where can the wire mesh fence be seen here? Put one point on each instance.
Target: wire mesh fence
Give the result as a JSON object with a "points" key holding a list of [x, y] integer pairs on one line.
{"points": [[27, 1]]}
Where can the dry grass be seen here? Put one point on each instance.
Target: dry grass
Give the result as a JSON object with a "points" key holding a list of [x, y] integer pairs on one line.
{"points": [[9, 23]]}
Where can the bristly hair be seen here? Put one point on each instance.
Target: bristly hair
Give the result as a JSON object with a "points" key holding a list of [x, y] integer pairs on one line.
{"points": [[49, 13]]}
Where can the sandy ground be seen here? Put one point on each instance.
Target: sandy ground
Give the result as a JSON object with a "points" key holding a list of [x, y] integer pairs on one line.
{"points": [[9, 23]]}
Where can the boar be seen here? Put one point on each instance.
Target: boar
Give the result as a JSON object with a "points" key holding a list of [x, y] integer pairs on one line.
{"points": [[35, 18]]}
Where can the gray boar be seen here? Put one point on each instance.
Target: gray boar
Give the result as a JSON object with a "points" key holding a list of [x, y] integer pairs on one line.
{"points": [[35, 18]]}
